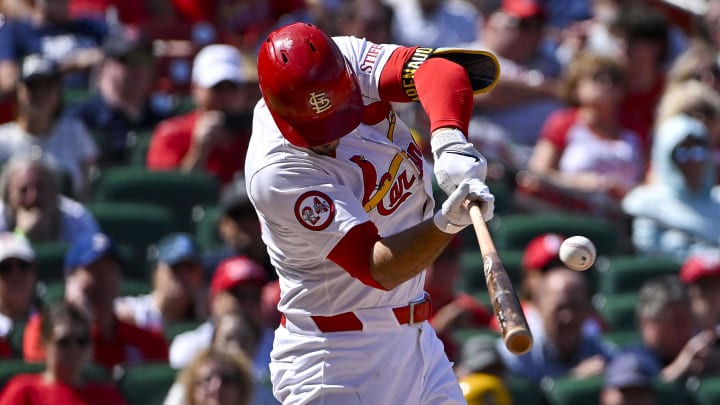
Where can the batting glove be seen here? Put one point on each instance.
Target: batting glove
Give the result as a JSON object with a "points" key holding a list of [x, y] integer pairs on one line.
{"points": [[454, 215], [456, 159]]}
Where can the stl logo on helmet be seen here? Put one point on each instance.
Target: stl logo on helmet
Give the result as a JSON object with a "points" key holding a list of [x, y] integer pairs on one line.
{"points": [[314, 210], [319, 102]]}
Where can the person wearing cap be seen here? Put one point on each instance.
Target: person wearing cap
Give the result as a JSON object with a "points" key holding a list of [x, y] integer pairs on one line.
{"points": [[236, 286], [485, 389], [92, 282], [239, 229], [177, 287], [679, 211], [670, 337], [560, 347], [527, 88], [31, 204], [125, 80], [479, 355], [701, 274], [629, 380], [17, 283], [214, 137], [41, 128], [541, 255]]}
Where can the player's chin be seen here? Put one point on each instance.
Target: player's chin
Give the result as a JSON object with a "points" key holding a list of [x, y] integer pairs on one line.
{"points": [[326, 148]]}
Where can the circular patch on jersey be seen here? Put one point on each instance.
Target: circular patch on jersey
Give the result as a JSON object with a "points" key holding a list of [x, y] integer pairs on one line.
{"points": [[314, 210]]}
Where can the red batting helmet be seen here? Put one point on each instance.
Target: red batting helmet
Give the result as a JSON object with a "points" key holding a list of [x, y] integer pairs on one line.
{"points": [[309, 89]]}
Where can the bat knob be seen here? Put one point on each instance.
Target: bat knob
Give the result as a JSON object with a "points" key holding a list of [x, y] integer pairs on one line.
{"points": [[518, 341]]}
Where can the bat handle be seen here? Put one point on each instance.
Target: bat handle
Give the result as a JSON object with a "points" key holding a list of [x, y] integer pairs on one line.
{"points": [[513, 325]]}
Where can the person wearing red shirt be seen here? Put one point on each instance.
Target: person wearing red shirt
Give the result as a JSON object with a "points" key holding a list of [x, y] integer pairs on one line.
{"points": [[92, 279], [66, 339], [214, 137]]}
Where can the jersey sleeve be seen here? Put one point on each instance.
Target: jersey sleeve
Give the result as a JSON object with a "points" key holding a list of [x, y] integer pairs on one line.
{"points": [[368, 60], [307, 211]]}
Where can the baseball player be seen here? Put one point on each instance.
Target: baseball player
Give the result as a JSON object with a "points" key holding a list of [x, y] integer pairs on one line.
{"points": [[345, 202]]}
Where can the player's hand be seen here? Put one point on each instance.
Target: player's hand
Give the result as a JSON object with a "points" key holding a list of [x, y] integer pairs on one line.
{"points": [[455, 159], [455, 214]]}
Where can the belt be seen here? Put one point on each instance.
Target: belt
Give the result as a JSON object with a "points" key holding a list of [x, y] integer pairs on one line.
{"points": [[415, 312]]}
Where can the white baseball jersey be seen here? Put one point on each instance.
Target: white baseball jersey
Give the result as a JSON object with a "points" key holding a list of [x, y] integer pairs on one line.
{"points": [[307, 202]]}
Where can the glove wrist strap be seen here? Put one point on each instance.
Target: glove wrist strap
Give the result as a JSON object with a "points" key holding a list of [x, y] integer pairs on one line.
{"points": [[445, 137], [442, 223]]}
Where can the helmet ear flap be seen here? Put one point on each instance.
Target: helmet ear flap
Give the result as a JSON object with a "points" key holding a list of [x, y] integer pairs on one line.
{"points": [[311, 91]]}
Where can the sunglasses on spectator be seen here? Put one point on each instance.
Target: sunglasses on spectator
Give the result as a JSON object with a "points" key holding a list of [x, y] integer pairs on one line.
{"points": [[695, 153], [137, 59], [65, 342], [606, 77], [226, 377], [7, 265]]}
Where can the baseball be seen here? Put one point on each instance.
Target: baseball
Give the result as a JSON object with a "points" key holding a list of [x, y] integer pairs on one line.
{"points": [[578, 253]]}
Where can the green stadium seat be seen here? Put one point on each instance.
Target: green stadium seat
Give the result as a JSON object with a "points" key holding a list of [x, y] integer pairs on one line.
{"points": [[15, 338], [524, 392], [623, 338], [626, 274], [514, 231], [147, 383], [177, 191], [618, 311], [572, 391], [472, 274], [176, 328], [139, 144], [206, 228], [12, 367], [705, 391], [134, 225], [49, 260]]}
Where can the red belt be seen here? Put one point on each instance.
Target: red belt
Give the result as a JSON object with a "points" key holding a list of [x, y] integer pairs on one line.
{"points": [[412, 313]]}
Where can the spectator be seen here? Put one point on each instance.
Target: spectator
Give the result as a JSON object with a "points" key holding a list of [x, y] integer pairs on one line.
{"points": [[236, 333], [41, 128], [629, 380], [17, 285], [215, 136], [527, 88], [65, 334], [560, 348], [677, 212], [701, 274], [434, 23], [236, 286], [73, 44], [666, 326], [698, 63], [92, 281], [451, 310], [215, 377], [125, 80], [369, 19], [643, 34], [32, 205], [177, 288], [239, 229], [482, 389], [695, 99], [585, 159], [479, 355]]}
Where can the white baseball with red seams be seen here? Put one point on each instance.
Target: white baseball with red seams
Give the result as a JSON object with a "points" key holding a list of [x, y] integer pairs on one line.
{"points": [[578, 253]]}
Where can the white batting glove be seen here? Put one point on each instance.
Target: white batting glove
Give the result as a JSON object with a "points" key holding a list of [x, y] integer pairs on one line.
{"points": [[454, 215], [456, 159]]}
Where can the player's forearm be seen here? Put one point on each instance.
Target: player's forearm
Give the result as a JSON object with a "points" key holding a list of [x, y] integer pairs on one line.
{"points": [[400, 257]]}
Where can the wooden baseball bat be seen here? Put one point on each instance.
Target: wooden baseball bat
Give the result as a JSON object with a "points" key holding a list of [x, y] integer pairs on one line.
{"points": [[513, 325]]}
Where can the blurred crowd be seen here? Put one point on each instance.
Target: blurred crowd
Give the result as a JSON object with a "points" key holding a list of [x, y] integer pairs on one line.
{"points": [[131, 264]]}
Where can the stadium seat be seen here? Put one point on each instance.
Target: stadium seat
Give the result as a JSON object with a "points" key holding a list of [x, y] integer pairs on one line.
{"points": [[206, 228], [139, 143], [585, 391], [49, 260], [177, 191], [147, 383], [623, 338], [524, 391], [135, 225], [11, 367], [176, 328], [514, 231], [618, 311], [472, 274], [705, 391], [626, 274]]}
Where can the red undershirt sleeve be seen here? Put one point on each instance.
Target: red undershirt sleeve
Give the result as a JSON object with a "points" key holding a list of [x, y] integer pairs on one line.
{"points": [[353, 252], [442, 86]]}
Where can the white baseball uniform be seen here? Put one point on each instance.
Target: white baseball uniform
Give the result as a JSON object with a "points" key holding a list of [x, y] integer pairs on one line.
{"points": [[306, 203]]}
